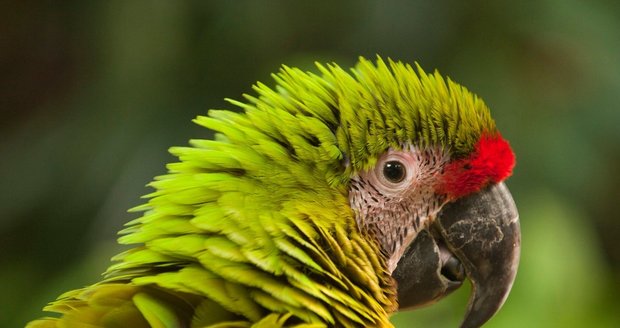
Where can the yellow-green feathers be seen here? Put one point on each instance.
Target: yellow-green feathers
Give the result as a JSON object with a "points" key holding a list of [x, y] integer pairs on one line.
{"points": [[357, 115], [390, 105], [374, 107]]}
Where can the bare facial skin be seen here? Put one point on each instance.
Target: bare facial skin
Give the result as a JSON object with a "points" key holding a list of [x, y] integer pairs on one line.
{"points": [[397, 198]]}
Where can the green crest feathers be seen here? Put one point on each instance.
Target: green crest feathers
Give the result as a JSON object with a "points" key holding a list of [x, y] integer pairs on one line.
{"points": [[392, 105], [370, 109]]}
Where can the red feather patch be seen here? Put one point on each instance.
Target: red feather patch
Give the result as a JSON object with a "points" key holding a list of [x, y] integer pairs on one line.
{"points": [[491, 161]]}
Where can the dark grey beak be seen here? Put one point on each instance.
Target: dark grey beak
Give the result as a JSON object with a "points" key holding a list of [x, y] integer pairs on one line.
{"points": [[477, 237]]}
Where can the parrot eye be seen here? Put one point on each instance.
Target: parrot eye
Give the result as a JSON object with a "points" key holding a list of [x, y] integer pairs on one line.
{"points": [[394, 171]]}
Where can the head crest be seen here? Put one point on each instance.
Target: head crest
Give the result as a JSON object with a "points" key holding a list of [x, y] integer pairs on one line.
{"points": [[390, 104]]}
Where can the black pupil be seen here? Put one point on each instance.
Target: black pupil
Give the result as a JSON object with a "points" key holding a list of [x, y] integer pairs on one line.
{"points": [[394, 171]]}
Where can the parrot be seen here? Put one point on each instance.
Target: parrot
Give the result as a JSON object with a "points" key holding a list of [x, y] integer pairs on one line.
{"points": [[333, 198]]}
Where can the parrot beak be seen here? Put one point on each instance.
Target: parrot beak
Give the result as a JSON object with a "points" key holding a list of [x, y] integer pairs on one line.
{"points": [[477, 237]]}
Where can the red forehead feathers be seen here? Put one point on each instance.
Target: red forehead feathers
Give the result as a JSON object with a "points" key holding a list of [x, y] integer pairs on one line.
{"points": [[491, 161]]}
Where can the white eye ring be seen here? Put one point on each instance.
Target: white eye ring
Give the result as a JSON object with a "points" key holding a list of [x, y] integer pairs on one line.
{"points": [[394, 171]]}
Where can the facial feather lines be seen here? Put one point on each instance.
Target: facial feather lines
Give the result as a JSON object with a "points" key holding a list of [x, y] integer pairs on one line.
{"points": [[394, 214]]}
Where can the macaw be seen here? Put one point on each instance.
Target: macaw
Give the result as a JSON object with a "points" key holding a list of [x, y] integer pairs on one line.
{"points": [[332, 199]]}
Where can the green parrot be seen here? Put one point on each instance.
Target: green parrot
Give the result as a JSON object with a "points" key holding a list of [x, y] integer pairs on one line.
{"points": [[333, 199]]}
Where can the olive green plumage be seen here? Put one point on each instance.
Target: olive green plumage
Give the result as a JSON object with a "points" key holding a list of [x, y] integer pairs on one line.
{"points": [[387, 104], [254, 227]]}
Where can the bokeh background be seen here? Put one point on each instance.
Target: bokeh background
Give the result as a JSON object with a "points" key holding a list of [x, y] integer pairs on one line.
{"points": [[92, 93]]}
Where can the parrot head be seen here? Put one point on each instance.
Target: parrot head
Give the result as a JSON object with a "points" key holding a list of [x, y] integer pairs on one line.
{"points": [[334, 198], [427, 166]]}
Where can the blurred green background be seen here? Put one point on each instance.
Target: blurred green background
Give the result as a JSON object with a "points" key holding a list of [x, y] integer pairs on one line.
{"points": [[92, 93]]}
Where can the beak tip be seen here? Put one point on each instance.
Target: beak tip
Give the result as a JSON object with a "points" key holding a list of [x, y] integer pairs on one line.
{"points": [[491, 252]]}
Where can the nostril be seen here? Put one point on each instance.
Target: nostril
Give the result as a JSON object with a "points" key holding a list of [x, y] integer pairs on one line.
{"points": [[453, 270]]}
